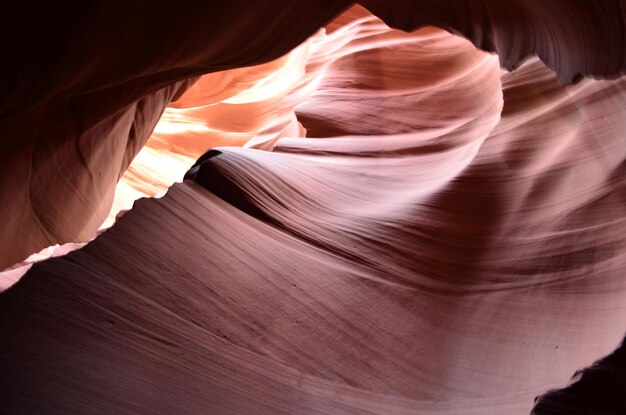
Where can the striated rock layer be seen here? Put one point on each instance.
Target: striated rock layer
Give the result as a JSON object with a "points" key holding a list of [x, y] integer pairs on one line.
{"points": [[73, 117], [406, 229]]}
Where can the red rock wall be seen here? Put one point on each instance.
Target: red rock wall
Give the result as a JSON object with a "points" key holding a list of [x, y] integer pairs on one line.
{"points": [[407, 228]]}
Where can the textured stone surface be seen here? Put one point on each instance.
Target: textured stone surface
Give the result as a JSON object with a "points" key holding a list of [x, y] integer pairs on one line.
{"points": [[407, 228]]}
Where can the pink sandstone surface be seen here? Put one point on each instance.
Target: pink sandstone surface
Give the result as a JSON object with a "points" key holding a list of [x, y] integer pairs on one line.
{"points": [[385, 221]]}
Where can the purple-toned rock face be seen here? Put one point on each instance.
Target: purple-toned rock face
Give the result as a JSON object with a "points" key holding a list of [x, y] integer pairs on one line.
{"points": [[371, 221]]}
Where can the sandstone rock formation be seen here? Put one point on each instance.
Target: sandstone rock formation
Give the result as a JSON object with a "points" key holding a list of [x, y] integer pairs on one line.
{"points": [[385, 221]]}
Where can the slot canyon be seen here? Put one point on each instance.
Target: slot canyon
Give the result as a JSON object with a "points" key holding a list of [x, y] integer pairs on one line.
{"points": [[382, 207]]}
